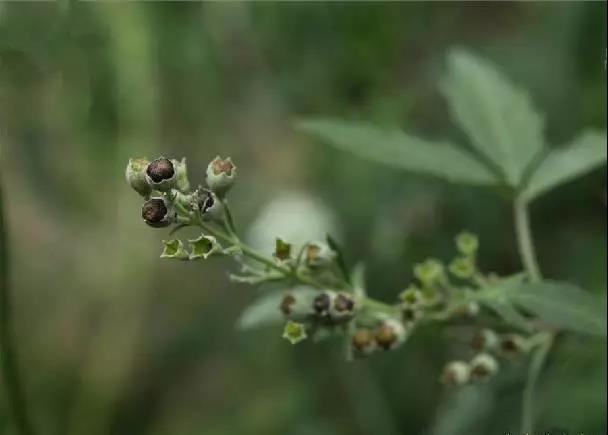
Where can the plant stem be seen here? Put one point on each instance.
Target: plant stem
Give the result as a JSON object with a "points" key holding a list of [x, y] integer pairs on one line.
{"points": [[536, 365], [528, 257], [10, 369], [524, 239]]}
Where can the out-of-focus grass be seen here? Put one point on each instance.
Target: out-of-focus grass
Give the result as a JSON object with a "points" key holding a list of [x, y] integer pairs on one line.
{"points": [[116, 341]]}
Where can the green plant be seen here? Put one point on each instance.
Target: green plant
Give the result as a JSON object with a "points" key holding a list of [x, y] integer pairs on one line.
{"points": [[323, 297]]}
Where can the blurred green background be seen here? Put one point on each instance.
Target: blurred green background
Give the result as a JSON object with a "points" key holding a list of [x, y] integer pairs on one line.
{"points": [[112, 340]]}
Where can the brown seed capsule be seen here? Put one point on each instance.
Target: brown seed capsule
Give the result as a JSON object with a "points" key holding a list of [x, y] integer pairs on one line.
{"points": [[160, 169], [363, 340], [344, 303], [483, 366], [287, 304], [455, 373], [485, 339], [385, 336], [321, 303], [512, 345], [220, 166], [155, 213]]}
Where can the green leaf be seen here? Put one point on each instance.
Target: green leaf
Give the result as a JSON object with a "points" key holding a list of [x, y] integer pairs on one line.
{"points": [[265, 310], [498, 117], [586, 153], [394, 148], [562, 305]]}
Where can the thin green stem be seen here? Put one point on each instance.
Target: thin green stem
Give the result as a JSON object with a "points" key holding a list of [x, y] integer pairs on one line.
{"points": [[528, 257], [524, 239], [8, 355], [536, 365]]}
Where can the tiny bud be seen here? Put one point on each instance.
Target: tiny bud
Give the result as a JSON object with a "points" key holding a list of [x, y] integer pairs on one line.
{"points": [[486, 339], [462, 267], [210, 206], [294, 332], [512, 345], [322, 303], [455, 373], [429, 272], [390, 334], [221, 174], [181, 175], [161, 174], [203, 247], [136, 176], [363, 342], [467, 243], [411, 297], [483, 367], [318, 254], [156, 213], [174, 249]]}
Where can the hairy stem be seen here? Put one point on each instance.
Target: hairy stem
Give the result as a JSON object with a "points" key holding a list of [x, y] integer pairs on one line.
{"points": [[528, 257], [524, 239], [9, 366]]}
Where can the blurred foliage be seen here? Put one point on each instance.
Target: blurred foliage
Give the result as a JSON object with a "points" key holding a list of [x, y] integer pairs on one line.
{"points": [[115, 341]]}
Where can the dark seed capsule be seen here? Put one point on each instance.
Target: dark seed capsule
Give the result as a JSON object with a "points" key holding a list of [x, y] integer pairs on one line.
{"points": [[321, 303], [344, 303], [205, 201], [286, 304], [154, 211], [160, 169]]}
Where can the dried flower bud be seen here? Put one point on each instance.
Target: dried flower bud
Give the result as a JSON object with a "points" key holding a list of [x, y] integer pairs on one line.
{"points": [[174, 249], [294, 332], [181, 175], [342, 307], [455, 373], [322, 303], [160, 174], [221, 174], [204, 247], [467, 243], [483, 367], [157, 213], [462, 267], [363, 342], [318, 254], [512, 345], [390, 334], [210, 206], [486, 339], [136, 176]]}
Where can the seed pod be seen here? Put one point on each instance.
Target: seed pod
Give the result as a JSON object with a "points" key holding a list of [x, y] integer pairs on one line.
{"points": [[455, 373], [429, 272], [342, 307], [321, 304], [512, 345], [204, 247], [221, 174], [210, 206], [390, 334], [157, 213], [485, 339], [363, 342], [318, 254], [411, 297], [174, 249], [483, 367], [136, 176], [287, 304], [462, 267], [161, 174]]}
